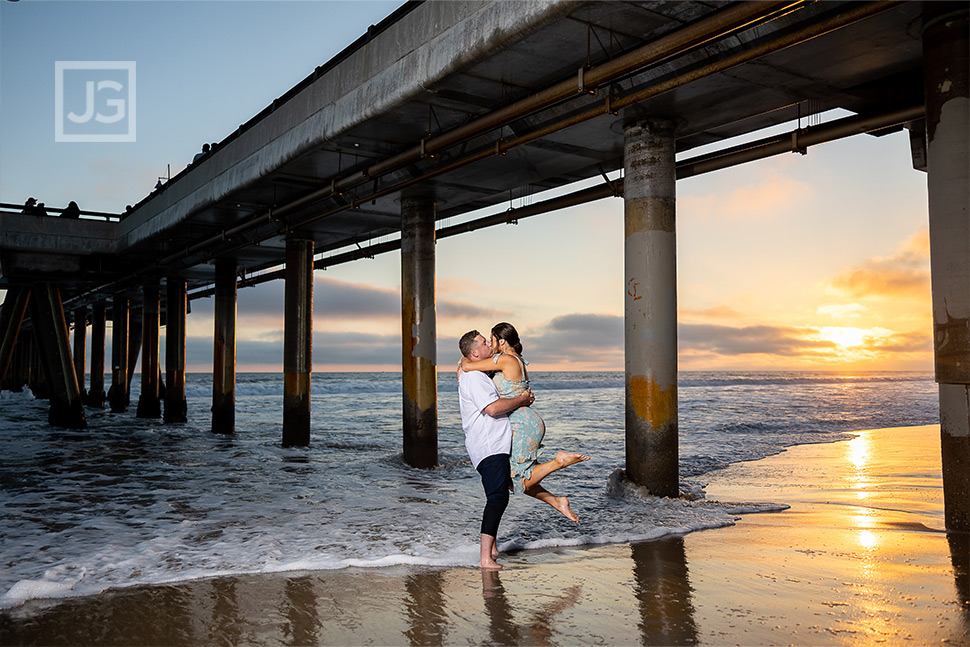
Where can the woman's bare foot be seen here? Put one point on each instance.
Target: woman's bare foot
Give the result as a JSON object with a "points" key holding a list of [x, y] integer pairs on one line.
{"points": [[566, 459], [561, 503], [489, 564]]}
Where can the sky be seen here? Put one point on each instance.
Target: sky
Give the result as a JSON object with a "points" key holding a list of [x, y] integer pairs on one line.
{"points": [[814, 262]]}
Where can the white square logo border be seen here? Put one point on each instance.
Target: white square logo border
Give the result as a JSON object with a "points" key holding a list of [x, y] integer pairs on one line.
{"points": [[59, 134]]}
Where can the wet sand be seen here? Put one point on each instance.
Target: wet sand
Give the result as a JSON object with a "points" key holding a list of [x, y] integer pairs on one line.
{"points": [[860, 558]]}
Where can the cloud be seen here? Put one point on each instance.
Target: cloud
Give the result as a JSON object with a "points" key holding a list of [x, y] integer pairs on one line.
{"points": [[906, 273], [907, 342], [786, 341], [578, 338], [465, 310], [844, 311], [765, 199]]}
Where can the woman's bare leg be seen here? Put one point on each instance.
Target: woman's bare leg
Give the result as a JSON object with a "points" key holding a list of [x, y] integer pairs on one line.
{"points": [[562, 459], [560, 503]]}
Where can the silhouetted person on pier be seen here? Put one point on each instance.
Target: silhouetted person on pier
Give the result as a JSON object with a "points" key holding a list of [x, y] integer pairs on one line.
{"points": [[72, 211], [30, 207], [41, 210], [205, 151], [127, 212]]}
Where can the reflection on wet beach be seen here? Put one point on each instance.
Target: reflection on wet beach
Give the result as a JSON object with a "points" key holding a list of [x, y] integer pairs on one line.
{"points": [[836, 569]]}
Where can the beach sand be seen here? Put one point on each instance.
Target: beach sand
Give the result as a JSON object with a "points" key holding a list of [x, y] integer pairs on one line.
{"points": [[860, 558]]}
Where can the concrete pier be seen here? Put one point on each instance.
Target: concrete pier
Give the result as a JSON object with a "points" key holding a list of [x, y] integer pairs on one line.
{"points": [[224, 350], [149, 402], [175, 310], [47, 315], [419, 335], [297, 342], [80, 339], [650, 313], [96, 395], [947, 89], [118, 393]]}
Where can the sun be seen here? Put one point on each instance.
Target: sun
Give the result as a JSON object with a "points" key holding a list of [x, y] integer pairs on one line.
{"points": [[844, 337]]}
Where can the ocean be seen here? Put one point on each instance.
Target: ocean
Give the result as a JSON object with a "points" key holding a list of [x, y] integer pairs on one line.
{"points": [[130, 501]]}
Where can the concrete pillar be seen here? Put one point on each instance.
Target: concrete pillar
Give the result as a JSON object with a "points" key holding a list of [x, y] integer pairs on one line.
{"points": [[50, 324], [134, 347], [80, 337], [118, 393], [11, 317], [224, 350], [650, 313], [297, 342], [419, 335], [149, 402], [96, 394], [175, 309], [946, 42]]}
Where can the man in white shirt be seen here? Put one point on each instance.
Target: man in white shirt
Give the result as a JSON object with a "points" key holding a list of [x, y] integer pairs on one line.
{"points": [[488, 438]]}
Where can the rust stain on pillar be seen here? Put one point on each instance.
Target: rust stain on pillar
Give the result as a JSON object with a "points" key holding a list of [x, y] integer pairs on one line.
{"points": [[224, 350], [175, 308], [118, 393], [650, 312], [419, 332], [297, 342], [96, 395]]}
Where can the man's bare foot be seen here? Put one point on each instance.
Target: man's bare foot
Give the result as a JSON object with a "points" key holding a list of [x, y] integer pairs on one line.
{"points": [[489, 564], [562, 504], [566, 458]]}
